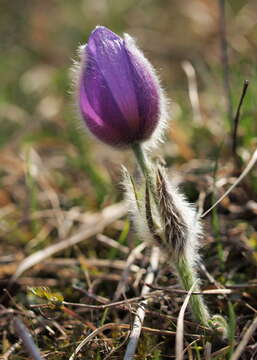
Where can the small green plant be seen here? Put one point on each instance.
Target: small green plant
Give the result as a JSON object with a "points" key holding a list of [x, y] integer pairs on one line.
{"points": [[54, 298]]}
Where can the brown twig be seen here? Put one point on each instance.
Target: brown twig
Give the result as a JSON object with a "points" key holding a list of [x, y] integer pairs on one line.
{"points": [[103, 306], [157, 292]]}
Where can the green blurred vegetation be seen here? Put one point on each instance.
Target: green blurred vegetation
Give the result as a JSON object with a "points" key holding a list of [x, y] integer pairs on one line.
{"points": [[40, 39]]}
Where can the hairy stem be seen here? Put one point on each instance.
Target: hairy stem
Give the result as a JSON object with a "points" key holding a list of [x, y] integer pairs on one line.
{"points": [[146, 167], [188, 277], [185, 270]]}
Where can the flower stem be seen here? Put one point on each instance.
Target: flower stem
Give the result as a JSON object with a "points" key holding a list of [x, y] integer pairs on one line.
{"points": [[186, 271], [188, 277], [141, 158], [146, 167]]}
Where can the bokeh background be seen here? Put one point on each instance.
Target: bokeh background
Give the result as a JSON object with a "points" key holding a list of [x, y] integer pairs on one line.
{"points": [[39, 41], [48, 161]]}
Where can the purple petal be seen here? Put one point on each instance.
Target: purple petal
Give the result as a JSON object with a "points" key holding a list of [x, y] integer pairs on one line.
{"points": [[146, 87], [104, 130], [107, 51]]}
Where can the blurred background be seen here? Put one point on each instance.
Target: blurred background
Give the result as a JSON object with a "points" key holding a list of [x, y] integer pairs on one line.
{"points": [[43, 146]]}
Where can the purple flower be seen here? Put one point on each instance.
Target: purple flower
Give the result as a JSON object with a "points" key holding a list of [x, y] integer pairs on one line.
{"points": [[119, 95]]}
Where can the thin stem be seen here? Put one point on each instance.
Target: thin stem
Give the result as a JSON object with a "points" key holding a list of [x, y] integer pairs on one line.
{"points": [[188, 278], [237, 117], [142, 160], [146, 168]]}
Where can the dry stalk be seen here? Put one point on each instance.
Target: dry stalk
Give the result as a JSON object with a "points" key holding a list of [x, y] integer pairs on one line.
{"points": [[135, 253], [98, 223], [140, 314], [249, 332], [180, 325], [193, 91]]}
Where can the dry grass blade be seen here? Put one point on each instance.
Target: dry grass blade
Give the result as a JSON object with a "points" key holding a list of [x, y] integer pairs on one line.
{"points": [[135, 253], [248, 168], [101, 220], [9, 352], [207, 350], [120, 326], [140, 314], [36, 169], [193, 91], [88, 338], [220, 352], [221, 291], [109, 305], [180, 325], [249, 332], [112, 243], [105, 263], [27, 339]]}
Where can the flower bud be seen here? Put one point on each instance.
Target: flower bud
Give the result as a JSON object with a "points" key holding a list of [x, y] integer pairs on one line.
{"points": [[119, 95]]}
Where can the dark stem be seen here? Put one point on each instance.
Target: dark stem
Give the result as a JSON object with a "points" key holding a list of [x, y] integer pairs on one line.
{"points": [[237, 118]]}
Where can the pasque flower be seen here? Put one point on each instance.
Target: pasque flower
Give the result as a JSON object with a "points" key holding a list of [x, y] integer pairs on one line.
{"points": [[119, 95], [122, 104]]}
